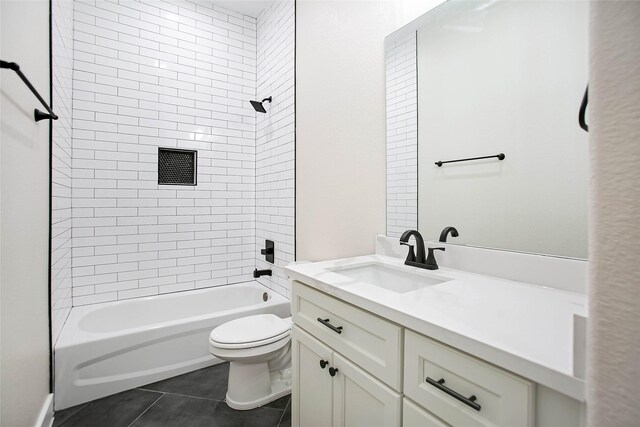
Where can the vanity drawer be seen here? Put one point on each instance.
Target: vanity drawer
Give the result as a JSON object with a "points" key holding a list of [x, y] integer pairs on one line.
{"points": [[415, 416], [501, 398], [371, 342]]}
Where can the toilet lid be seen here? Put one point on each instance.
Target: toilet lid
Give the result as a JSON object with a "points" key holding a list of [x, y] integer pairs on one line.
{"points": [[259, 329]]}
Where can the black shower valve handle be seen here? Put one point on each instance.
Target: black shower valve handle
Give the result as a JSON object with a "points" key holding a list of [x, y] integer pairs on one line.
{"points": [[268, 251]]}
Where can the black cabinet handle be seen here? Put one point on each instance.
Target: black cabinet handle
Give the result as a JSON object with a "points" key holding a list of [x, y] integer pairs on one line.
{"points": [[333, 371], [583, 110], [469, 401], [325, 322], [324, 363]]}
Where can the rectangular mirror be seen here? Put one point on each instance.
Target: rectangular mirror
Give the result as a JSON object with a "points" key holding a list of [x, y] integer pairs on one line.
{"points": [[492, 78]]}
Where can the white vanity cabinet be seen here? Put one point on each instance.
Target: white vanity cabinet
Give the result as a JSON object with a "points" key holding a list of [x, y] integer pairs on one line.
{"points": [[415, 416], [354, 368]]}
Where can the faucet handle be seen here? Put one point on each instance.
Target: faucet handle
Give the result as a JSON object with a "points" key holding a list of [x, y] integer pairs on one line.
{"points": [[431, 263], [411, 256], [435, 249]]}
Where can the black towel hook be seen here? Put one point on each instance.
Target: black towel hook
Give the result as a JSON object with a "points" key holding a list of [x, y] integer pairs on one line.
{"points": [[583, 110]]}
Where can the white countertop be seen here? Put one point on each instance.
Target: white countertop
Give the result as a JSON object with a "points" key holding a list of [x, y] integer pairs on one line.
{"points": [[523, 328]]}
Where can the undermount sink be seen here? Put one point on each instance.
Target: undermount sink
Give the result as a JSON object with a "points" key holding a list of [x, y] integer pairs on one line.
{"points": [[396, 279]]}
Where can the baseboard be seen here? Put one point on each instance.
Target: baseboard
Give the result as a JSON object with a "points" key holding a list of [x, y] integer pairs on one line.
{"points": [[45, 419]]}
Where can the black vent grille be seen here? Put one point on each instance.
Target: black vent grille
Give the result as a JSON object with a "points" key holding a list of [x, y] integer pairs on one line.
{"points": [[177, 167]]}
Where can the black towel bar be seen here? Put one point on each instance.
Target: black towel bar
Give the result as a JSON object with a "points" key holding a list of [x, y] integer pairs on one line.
{"points": [[500, 156], [37, 114]]}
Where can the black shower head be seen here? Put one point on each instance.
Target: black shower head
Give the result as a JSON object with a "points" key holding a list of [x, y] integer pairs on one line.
{"points": [[258, 105]]}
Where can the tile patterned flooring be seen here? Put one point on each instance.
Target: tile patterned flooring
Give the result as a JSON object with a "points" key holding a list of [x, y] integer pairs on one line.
{"points": [[191, 400]]}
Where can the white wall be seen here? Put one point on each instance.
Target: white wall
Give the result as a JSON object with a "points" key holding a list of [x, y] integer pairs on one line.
{"points": [[412, 9], [62, 56], [169, 74], [402, 135], [340, 122], [613, 373], [24, 215], [275, 141]]}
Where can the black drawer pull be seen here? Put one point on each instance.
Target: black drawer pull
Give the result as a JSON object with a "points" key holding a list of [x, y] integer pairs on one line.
{"points": [[333, 371], [323, 363], [325, 322], [469, 401]]}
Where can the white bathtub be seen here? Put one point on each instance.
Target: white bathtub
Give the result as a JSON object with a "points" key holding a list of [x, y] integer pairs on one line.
{"points": [[111, 347]]}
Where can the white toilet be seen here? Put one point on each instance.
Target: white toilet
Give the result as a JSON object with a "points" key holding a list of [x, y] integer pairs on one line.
{"points": [[259, 349]]}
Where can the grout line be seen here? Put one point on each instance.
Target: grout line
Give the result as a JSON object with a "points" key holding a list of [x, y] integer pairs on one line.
{"points": [[209, 399], [73, 414], [180, 394], [143, 412], [284, 411]]}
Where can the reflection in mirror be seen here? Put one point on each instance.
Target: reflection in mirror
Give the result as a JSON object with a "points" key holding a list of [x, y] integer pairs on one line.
{"points": [[488, 78]]}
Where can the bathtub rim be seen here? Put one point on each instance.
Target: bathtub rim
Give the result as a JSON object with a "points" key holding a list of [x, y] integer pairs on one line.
{"points": [[76, 335]]}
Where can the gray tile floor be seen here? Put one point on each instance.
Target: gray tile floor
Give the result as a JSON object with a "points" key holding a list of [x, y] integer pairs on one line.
{"points": [[190, 400]]}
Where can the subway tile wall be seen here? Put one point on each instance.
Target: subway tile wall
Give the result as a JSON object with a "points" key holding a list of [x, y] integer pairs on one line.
{"points": [[275, 141], [402, 136], [151, 74], [62, 56]]}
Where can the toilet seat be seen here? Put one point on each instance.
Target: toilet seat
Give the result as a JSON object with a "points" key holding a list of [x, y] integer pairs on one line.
{"points": [[250, 332], [251, 344]]}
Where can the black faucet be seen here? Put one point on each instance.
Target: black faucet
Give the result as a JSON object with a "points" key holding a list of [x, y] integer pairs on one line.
{"points": [[445, 233], [417, 259], [413, 258]]}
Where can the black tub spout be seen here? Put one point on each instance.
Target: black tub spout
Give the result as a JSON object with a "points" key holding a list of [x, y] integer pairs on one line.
{"points": [[257, 273]]}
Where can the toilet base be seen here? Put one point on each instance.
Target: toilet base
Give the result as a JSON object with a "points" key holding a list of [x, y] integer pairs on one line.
{"points": [[249, 388]]}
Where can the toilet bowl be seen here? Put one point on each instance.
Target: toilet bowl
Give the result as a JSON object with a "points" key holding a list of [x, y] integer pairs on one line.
{"points": [[259, 351]]}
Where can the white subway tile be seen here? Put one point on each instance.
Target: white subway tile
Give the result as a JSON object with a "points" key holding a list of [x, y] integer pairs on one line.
{"points": [[95, 298], [144, 78], [116, 268], [137, 293], [116, 286]]}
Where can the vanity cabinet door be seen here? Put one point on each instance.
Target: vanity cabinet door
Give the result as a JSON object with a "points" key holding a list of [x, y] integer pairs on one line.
{"points": [[362, 400], [312, 388]]}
